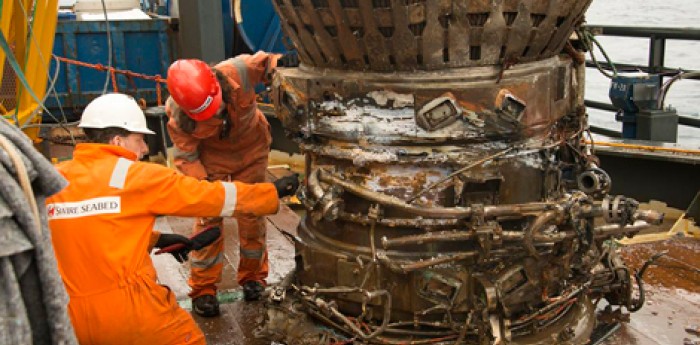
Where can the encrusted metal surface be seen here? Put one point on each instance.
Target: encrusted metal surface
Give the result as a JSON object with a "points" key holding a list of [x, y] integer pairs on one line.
{"points": [[454, 195], [389, 35], [454, 205], [378, 108]]}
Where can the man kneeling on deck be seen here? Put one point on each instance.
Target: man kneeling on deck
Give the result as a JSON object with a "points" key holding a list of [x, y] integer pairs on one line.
{"points": [[102, 228]]}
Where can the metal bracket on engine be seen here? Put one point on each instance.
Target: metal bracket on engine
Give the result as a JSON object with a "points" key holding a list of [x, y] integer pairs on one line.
{"points": [[439, 288], [490, 292], [278, 294], [438, 113], [619, 210]]}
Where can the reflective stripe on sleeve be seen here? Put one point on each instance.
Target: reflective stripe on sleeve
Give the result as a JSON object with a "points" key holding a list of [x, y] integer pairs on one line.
{"points": [[118, 178], [231, 193], [242, 70]]}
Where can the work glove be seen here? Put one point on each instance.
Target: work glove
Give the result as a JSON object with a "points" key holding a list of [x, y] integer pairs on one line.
{"points": [[287, 185], [180, 254], [205, 237]]}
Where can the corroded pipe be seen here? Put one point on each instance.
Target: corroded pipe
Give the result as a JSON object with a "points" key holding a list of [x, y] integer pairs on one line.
{"points": [[614, 229], [434, 212], [563, 299], [404, 267], [456, 214], [329, 205], [438, 236], [314, 185], [649, 216], [510, 236], [417, 222], [391, 201], [517, 209], [323, 305], [537, 227], [416, 265], [599, 232], [335, 247]]}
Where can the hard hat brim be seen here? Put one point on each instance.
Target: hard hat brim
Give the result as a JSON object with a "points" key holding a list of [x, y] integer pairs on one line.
{"points": [[207, 113], [142, 131], [132, 130]]}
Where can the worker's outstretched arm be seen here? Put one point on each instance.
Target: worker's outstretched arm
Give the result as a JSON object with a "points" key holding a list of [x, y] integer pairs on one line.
{"points": [[165, 192], [254, 69]]}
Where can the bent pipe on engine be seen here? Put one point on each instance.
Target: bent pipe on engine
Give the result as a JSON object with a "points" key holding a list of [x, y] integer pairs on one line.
{"points": [[323, 305], [314, 185], [418, 222], [510, 236], [322, 249], [405, 266], [455, 213], [324, 243], [442, 236], [563, 299], [399, 328], [391, 201], [537, 226], [433, 212], [602, 231]]}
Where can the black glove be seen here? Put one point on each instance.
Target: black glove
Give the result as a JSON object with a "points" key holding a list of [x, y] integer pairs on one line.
{"points": [[287, 185], [205, 237], [166, 240]]}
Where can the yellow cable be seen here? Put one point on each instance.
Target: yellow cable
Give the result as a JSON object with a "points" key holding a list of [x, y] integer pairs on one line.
{"points": [[643, 147]]}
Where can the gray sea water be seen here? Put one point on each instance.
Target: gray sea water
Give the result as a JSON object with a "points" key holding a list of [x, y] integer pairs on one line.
{"points": [[684, 95]]}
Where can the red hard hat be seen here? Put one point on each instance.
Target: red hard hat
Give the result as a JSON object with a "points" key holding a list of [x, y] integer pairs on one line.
{"points": [[194, 87]]}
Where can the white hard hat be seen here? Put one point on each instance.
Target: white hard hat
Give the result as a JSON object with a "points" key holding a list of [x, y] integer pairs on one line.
{"points": [[115, 110]]}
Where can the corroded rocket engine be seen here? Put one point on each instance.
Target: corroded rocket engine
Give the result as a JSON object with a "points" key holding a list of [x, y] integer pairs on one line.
{"points": [[449, 196]]}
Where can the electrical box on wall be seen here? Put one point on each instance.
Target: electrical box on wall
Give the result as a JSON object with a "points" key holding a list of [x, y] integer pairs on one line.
{"points": [[658, 125]]}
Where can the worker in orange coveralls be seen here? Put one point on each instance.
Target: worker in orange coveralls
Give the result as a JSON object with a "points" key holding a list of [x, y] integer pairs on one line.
{"points": [[220, 134], [101, 226]]}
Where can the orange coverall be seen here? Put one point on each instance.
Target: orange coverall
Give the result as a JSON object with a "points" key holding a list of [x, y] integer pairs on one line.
{"points": [[101, 226], [241, 155]]}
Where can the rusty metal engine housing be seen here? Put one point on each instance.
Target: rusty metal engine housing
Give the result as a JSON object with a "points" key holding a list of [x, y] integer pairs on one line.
{"points": [[444, 195], [389, 35]]}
